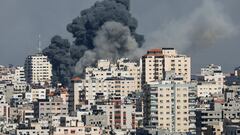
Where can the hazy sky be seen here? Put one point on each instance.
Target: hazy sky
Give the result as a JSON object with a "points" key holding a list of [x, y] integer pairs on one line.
{"points": [[22, 20]]}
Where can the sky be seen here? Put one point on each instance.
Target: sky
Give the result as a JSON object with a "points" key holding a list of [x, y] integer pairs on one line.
{"points": [[164, 23]]}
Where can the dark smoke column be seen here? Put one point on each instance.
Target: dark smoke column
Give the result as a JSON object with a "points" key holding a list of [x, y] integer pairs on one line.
{"points": [[59, 54], [84, 29]]}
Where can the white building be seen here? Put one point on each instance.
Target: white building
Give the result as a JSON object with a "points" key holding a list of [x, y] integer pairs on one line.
{"points": [[159, 61], [213, 73], [66, 125], [19, 75], [211, 81], [33, 129], [121, 79], [35, 94], [38, 69], [19, 81], [207, 89], [122, 68], [86, 90]]}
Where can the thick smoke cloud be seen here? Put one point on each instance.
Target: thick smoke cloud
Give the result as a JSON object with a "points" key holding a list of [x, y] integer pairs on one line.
{"points": [[59, 54], [84, 28], [202, 28], [112, 41], [110, 18]]}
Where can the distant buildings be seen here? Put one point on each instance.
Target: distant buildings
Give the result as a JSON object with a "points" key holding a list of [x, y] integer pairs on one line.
{"points": [[155, 95], [211, 81], [213, 73]]}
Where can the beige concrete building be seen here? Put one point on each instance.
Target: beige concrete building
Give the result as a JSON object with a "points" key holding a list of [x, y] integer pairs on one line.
{"points": [[35, 94], [80, 130], [170, 105], [50, 107], [206, 89], [159, 61], [120, 115], [38, 69], [19, 75], [85, 91], [33, 129], [120, 78], [66, 125], [122, 68]]}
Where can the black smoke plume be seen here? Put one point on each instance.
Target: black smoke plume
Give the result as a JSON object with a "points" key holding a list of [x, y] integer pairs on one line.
{"points": [[58, 53], [84, 29]]}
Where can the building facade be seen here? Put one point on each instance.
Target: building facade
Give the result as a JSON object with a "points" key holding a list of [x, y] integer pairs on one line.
{"points": [[157, 62], [38, 69], [170, 105]]}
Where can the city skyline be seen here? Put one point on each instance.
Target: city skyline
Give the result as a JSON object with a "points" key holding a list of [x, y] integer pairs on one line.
{"points": [[119, 67], [28, 20]]}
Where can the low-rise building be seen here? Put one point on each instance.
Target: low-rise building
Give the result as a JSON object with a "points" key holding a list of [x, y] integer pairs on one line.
{"points": [[50, 107]]}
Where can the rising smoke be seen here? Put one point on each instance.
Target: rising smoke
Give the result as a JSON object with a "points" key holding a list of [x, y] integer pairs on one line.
{"points": [[108, 30], [58, 53], [85, 27], [112, 41], [105, 18], [205, 26]]}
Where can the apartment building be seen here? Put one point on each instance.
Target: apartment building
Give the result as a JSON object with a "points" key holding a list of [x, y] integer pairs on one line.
{"points": [[206, 89], [122, 68], [210, 118], [38, 69], [213, 73], [50, 107], [19, 75], [66, 125], [86, 91], [120, 115], [32, 129], [159, 61], [170, 105], [36, 93], [79, 130]]}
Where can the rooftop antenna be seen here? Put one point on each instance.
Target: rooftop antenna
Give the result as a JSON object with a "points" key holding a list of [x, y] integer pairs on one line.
{"points": [[39, 44]]}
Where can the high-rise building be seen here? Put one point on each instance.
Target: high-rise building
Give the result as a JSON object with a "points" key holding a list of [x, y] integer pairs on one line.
{"points": [[157, 62], [170, 105], [38, 69]]}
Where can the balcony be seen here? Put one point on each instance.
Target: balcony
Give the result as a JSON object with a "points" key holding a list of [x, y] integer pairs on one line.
{"points": [[154, 110]]}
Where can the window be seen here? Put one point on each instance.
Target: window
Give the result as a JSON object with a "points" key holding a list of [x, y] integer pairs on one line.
{"points": [[72, 131]]}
